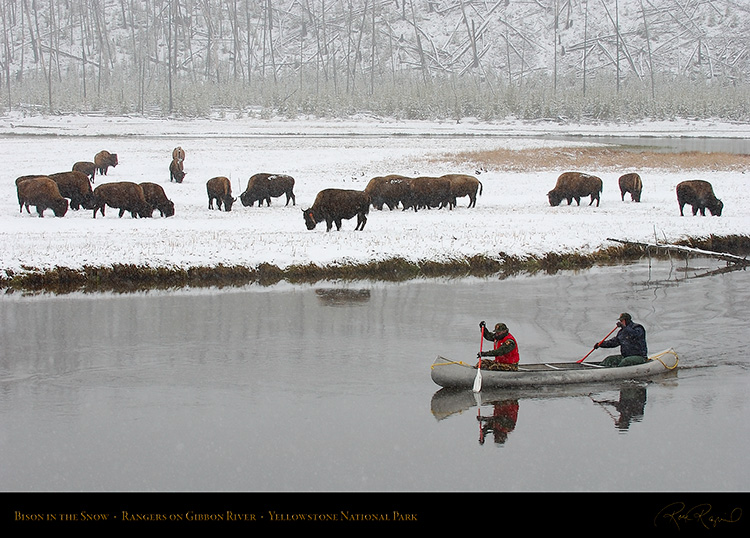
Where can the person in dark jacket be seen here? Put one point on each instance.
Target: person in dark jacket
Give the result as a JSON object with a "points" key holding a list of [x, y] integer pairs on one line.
{"points": [[505, 349], [631, 338]]}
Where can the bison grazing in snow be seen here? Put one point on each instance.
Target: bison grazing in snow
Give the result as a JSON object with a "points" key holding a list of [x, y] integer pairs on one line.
{"points": [[42, 192], [574, 186], [263, 187], [220, 189], [335, 205], [464, 185], [157, 199], [631, 183], [427, 192], [87, 168], [76, 187], [176, 172], [178, 154], [103, 160], [700, 195], [388, 190], [122, 195]]}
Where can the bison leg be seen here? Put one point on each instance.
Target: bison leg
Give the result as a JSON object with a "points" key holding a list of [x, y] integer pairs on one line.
{"points": [[361, 221]]}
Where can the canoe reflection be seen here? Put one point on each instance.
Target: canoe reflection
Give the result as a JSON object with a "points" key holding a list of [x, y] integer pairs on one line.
{"points": [[505, 404]]}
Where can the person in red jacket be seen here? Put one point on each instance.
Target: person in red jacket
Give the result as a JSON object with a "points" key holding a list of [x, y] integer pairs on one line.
{"points": [[504, 351]]}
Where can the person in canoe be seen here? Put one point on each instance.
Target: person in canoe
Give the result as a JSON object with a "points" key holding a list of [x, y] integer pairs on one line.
{"points": [[631, 338], [505, 349]]}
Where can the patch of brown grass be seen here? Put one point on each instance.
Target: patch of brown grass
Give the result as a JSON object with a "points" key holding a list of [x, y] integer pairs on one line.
{"points": [[591, 159]]}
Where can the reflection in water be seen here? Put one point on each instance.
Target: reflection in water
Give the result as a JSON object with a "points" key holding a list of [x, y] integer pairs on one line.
{"points": [[631, 406], [500, 423], [342, 296]]}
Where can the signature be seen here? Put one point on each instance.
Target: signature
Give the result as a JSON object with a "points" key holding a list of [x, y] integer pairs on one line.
{"points": [[704, 515]]}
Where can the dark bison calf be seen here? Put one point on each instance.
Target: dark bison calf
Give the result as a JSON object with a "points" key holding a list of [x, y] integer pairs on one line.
{"points": [[157, 199], [700, 195], [631, 183], [122, 195], [262, 187], [574, 186], [87, 168], [103, 160], [76, 187], [176, 172], [42, 192], [220, 189], [388, 190], [335, 205]]}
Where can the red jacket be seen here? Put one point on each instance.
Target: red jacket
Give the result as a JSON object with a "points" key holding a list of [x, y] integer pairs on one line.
{"points": [[512, 356]]}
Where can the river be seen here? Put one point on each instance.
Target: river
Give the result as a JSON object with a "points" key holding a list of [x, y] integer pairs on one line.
{"points": [[326, 387]]}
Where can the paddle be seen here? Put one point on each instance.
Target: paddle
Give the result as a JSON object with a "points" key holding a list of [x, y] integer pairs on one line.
{"points": [[600, 342], [478, 379]]}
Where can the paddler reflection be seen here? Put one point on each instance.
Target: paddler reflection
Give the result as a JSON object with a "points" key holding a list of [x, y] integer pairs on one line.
{"points": [[500, 423], [630, 406]]}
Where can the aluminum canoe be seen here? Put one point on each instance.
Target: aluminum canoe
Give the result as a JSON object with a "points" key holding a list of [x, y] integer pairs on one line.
{"points": [[460, 375]]}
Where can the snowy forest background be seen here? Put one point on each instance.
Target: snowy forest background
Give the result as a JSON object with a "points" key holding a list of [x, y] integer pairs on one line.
{"points": [[577, 60]]}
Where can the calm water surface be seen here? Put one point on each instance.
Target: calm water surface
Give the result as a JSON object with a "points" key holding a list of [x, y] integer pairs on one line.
{"points": [[327, 387]]}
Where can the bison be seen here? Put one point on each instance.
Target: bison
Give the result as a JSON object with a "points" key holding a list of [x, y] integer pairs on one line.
{"points": [[103, 160], [464, 185], [176, 173], [76, 187], [700, 195], [574, 186], [631, 183], [157, 199], [388, 190], [87, 168], [263, 186], [178, 154], [42, 192], [122, 195], [335, 205], [427, 192], [220, 189]]}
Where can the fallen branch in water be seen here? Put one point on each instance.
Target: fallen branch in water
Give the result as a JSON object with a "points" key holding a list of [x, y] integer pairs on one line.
{"points": [[730, 258]]}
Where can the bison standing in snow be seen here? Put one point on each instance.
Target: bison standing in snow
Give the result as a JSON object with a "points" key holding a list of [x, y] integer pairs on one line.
{"points": [[700, 195], [87, 167], [178, 154], [631, 183], [220, 189], [574, 186], [427, 192], [42, 192], [122, 195], [103, 160], [388, 190], [157, 199], [176, 171], [76, 187], [262, 187], [464, 185], [335, 205]]}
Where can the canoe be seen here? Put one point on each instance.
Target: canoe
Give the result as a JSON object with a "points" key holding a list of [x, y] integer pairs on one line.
{"points": [[460, 375]]}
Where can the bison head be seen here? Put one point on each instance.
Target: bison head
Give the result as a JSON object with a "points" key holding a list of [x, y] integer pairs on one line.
{"points": [[60, 207], [168, 208], [309, 218], [554, 198], [228, 201], [716, 208]]}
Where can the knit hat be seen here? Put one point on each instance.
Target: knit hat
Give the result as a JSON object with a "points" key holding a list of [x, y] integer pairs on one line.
{"points": [[500, 327], [626, 317]]}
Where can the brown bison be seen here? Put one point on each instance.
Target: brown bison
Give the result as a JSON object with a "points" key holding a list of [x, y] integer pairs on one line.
{"points": [[464, 185], [76, 187], [263, 186], [631, 183], [700, 195], [103, 160], [220, 189], [427, 192], [574, 186], [335, 205], [176, 172], [178, 154], [157, 199], [122, 195], [87, 168], [388, 190], [42, 192]]}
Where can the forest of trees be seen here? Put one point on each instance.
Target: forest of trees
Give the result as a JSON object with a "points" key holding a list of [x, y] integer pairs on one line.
{"points": [[421, 59]]}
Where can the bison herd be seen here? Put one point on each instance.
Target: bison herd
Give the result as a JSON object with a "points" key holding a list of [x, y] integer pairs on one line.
{"points": [[63, 190]]}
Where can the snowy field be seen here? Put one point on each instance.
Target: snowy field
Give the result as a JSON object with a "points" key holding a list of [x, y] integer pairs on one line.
{"points": [[512, 214]]}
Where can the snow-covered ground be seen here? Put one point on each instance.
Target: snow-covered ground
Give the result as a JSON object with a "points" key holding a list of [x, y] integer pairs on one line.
{"points": [[512, 214]]}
